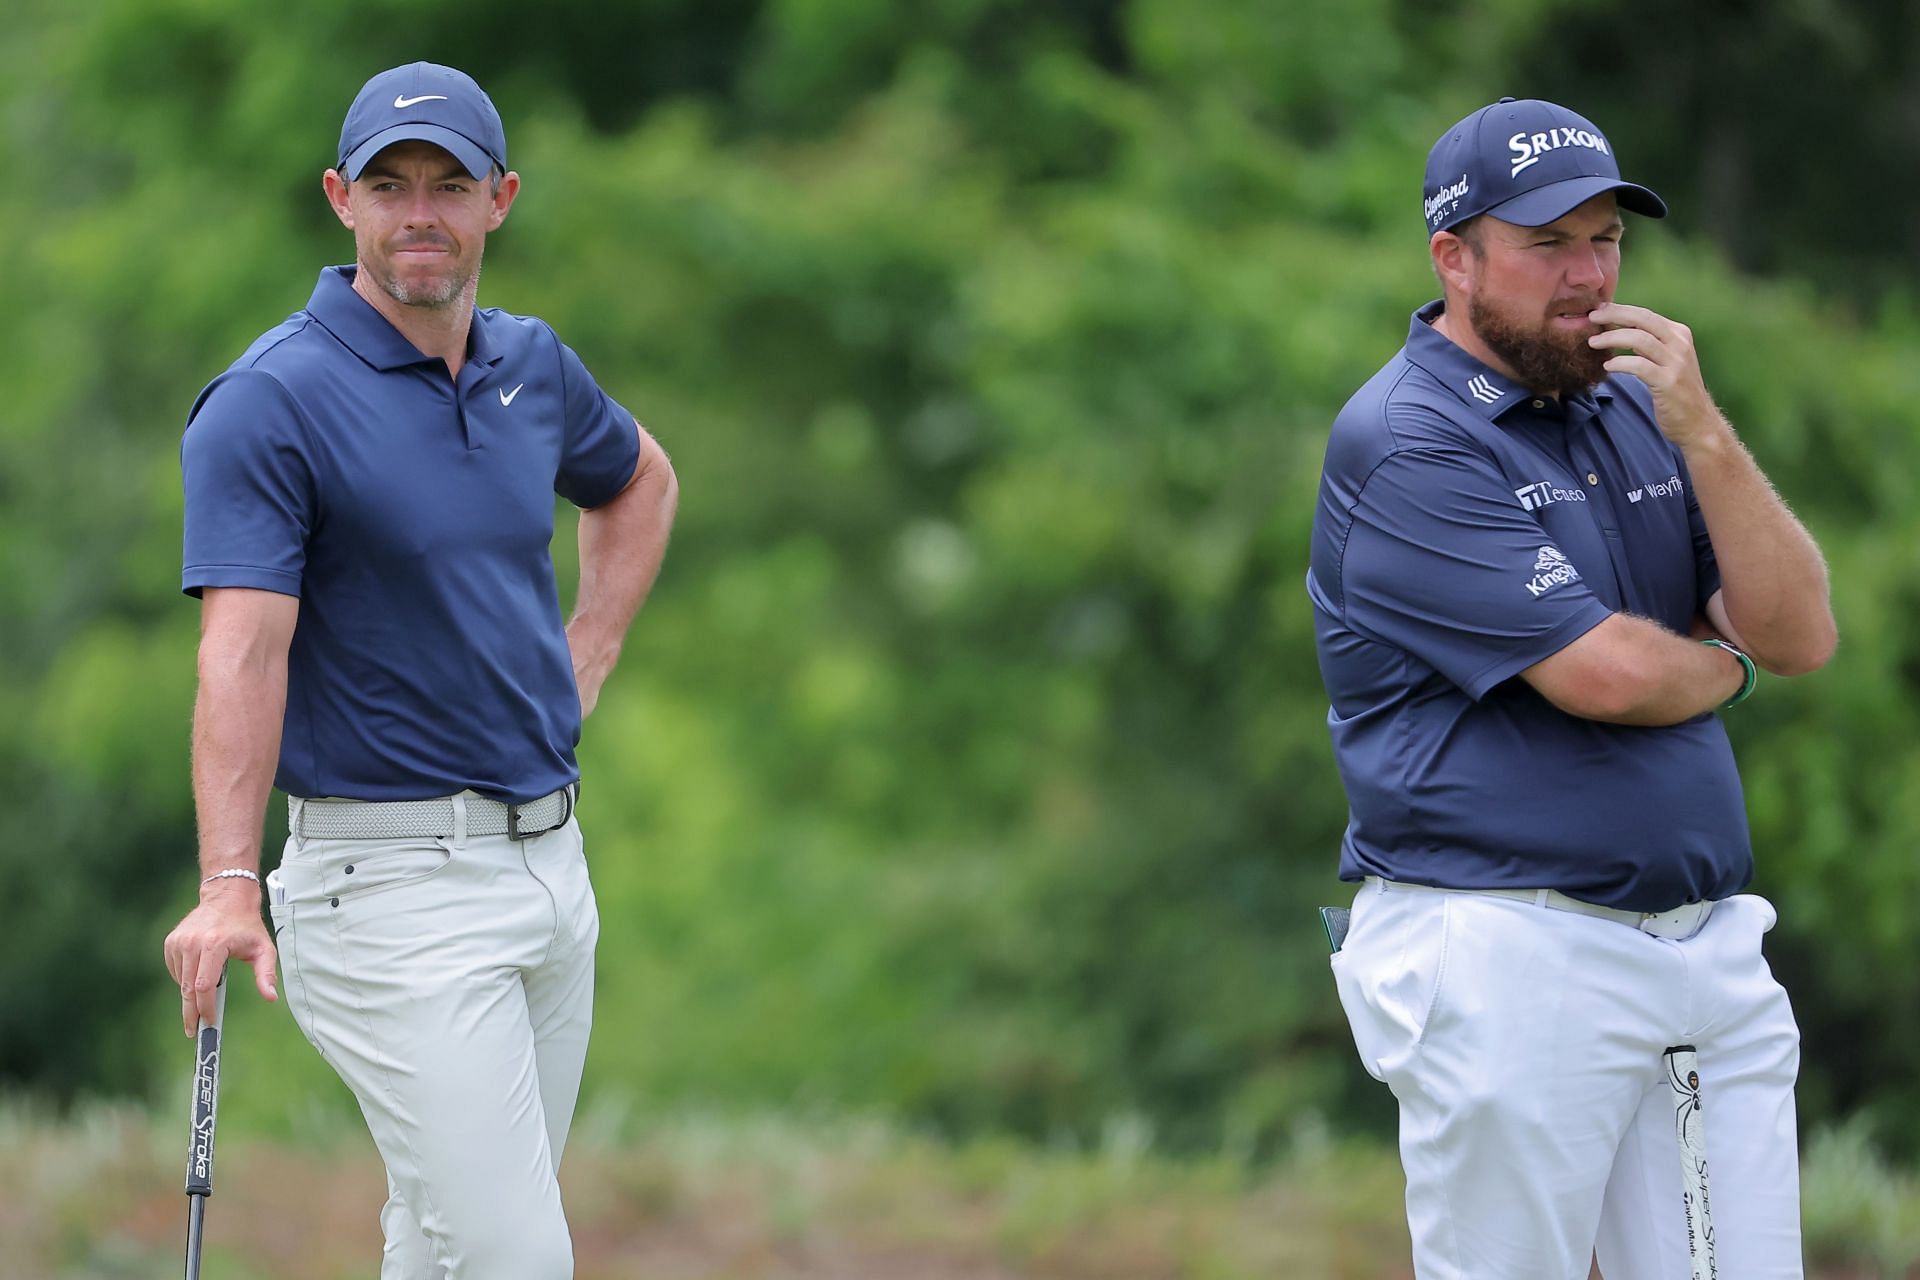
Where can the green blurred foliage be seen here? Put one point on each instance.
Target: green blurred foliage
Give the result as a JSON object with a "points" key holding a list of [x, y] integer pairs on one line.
{"points": [[970, 761]]}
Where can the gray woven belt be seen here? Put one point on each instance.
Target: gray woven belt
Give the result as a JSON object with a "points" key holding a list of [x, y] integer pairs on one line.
{"points": [[1680, 923], [329, 819]]}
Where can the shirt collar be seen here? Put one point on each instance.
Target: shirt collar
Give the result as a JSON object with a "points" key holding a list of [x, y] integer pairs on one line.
{"points": [[371, 336], [1477, 384]]}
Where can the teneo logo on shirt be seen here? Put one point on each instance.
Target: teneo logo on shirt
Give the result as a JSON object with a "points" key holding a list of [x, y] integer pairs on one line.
{"points": [[1668, 488], [1531, 148], [1540, 493], [1550, 569], [1446, 197]]}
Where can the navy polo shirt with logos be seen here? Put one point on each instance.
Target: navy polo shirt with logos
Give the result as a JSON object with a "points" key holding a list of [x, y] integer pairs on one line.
{"points": [[1467, 529], [412, 516]]}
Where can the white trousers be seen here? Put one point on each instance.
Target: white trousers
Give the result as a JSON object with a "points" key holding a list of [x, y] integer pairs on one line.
{"points": [[1525, 1047], [450, 984]]}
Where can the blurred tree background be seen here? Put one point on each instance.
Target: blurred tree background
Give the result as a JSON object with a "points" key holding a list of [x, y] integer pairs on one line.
{"points": [[969, 764]]}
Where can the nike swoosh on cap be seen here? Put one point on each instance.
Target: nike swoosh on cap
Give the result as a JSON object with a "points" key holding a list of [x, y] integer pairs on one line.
{"points": [[402, 103]]}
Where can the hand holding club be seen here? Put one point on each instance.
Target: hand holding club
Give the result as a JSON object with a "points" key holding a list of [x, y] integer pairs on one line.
{"points": [[226, 925]]}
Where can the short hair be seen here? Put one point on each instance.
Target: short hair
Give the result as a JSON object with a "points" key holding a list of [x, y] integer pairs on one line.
{"points": [[1471, 234]]}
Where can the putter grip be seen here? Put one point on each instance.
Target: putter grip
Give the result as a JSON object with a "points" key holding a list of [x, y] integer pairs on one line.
{"points": [[1683, 1075], [206, 1099]]}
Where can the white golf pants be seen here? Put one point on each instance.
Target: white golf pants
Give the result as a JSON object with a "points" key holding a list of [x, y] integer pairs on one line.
{"points": [[450, 983], [1524, 1045]]}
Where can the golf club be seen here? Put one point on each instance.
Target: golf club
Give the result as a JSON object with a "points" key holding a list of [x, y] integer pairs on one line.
{"points": [[206, 1103]]}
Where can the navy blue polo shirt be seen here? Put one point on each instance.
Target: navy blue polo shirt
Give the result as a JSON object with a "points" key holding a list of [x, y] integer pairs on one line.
{"points": [[411, 515], [1467, 529]]}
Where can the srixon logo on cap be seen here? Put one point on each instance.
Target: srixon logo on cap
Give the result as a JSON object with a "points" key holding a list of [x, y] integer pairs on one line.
{"points": [[1531, 148]]}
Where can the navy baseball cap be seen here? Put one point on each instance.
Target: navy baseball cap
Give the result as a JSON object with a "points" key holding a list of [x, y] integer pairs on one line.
{"points": [[1528, 163], [425, 102]]}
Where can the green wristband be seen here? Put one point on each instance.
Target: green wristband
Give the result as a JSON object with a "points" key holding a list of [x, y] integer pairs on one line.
{"points": [[1753, 673]]}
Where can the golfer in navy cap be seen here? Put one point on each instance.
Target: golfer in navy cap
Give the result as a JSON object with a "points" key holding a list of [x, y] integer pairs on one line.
{"points": [[1544, 566], [369, 503]]}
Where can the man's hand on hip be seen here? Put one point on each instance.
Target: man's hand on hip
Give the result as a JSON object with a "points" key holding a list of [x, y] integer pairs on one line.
{"points": [[593, 662], [226, 925]]}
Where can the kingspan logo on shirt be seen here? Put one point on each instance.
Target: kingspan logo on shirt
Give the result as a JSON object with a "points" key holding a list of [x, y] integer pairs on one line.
{"points": [[1540, 493], [1550, 569]]}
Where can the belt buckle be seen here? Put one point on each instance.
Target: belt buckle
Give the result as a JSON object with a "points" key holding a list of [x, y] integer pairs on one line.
{"points": [[1677, 923], [514, 830]]}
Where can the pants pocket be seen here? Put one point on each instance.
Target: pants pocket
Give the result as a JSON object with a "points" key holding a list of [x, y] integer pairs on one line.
{"points": [[1764, 909], [1391, 982], [276, 886], [351, 870], [293, 986]]}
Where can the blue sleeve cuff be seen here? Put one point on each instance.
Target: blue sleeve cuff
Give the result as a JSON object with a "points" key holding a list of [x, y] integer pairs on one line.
{"points": [[621, 474], [1537, 649], [197, 577]]}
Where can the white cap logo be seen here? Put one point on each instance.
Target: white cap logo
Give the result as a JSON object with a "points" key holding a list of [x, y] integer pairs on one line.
{"points": [[1530, 148]]}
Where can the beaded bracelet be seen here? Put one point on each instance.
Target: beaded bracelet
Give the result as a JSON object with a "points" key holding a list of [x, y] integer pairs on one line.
{"points": [[233, 873]]}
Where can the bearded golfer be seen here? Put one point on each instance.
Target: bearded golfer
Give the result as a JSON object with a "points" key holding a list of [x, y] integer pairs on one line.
{"points": [[369, 506], [1529, 522]]}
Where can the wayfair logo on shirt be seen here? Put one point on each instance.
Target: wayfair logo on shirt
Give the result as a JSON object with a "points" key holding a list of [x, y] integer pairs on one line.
{"points": [[1668, 488], [1550, 569]]}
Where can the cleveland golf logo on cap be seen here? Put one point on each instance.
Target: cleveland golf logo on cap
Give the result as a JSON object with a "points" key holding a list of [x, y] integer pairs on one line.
{"points": [[1441, 200]]}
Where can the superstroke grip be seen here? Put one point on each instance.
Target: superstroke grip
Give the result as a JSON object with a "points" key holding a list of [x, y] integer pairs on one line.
{"points": [[1683, 1076], [206, 1099]]}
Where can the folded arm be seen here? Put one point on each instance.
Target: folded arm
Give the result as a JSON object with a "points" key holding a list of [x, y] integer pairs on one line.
{"points": [[1773, 602], [1631, 670]]}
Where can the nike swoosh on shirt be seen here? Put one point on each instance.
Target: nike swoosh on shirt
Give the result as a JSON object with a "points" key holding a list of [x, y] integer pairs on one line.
{"points": [[506, 397], [403, 103]]}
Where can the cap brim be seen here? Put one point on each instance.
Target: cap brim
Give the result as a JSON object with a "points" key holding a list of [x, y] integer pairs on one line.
{"points": [[1542, 205], [472, 156]]}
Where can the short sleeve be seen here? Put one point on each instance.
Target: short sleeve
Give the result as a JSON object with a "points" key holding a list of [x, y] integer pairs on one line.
{"points": [[1442, 562], [602, 445], [250, 496]]}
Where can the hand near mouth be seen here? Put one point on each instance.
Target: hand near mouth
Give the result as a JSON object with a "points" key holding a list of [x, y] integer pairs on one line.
{"points": [[1660, 353]]}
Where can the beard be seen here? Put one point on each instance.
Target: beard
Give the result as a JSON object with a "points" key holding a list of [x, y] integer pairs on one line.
{"points": [[1560, 364], [434, 294]]}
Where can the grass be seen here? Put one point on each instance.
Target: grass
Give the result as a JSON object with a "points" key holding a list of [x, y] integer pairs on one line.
{"points": [[98, 1197]]}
